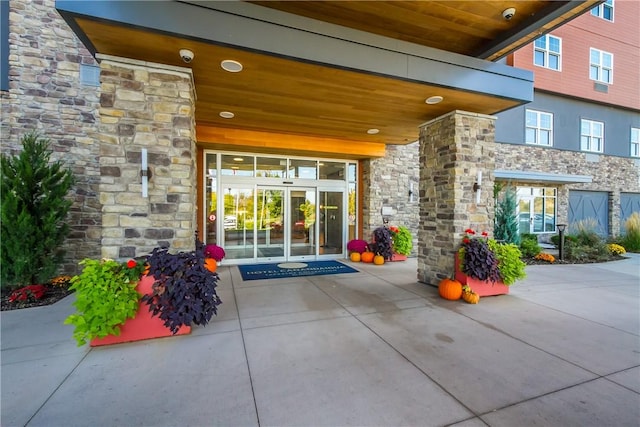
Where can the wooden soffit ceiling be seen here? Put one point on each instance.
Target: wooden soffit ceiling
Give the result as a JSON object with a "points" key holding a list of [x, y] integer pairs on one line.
{"points": [[472, 28], [280, 94]]}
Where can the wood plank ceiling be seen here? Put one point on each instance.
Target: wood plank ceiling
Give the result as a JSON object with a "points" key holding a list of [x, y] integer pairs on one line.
{"points": [[275, 94]]}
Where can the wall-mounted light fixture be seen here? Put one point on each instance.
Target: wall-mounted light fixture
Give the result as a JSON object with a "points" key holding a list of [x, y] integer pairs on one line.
{"points": [[411, 192], [476, 187], [145, 173]]}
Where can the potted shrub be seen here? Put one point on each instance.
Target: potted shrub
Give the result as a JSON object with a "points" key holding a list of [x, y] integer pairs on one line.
{"points": [[382, 243], [356, 248], [486, 266], [184, 290], [159, 295], [106, 297], [402, 243]]}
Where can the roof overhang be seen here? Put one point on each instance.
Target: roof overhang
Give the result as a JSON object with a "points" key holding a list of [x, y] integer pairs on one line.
{"points": [[301, 76], [541, 177]]}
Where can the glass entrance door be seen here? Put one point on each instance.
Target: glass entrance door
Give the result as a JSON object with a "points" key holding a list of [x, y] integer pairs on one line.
{"points": [[238, 222], [302, 226], [331, 224], [270, 223]]}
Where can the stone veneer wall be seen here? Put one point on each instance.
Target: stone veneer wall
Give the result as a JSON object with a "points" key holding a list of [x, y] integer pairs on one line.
{"points": [[453, 148], [386, 182], [147, 106], [45, 95], [612, 174]]}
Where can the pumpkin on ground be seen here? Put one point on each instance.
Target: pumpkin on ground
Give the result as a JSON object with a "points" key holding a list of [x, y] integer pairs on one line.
{"points": [[355, 256], [367, 256], [378, 259], [211, 264], [450, 289], [469, 296]]}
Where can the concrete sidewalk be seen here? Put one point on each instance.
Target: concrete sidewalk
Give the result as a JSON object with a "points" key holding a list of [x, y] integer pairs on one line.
{"points": [[373, 348]]}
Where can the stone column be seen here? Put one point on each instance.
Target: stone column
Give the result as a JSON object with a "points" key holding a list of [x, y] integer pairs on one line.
{"points": [[150, 106], [453, 148]]}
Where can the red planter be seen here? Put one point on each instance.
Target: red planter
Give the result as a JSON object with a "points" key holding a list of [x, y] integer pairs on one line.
{"points": [[398, 257], [484, 288], [143, 326]]}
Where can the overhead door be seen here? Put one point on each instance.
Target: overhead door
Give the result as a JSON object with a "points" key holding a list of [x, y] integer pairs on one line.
{"points": [[629, 203], [590, 205]]}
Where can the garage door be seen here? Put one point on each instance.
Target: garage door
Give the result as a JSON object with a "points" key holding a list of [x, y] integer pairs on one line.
{"points": [[629, 203], [590, 204]]}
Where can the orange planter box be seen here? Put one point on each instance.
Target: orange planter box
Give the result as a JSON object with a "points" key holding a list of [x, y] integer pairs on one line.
{"points": [[143, 326], [484, 288]]}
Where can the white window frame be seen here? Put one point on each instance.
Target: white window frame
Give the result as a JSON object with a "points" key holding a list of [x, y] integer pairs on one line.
{"points": [[591, 141], [538, 129], [600, 9], [547, 52], [599, 67], [635, 142]]}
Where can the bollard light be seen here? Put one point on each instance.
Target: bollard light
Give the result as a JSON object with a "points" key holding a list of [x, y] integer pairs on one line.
{"points": [[561, 228]]}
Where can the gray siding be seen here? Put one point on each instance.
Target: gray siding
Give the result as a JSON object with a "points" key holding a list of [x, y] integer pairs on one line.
{"points": [[567, 114]]}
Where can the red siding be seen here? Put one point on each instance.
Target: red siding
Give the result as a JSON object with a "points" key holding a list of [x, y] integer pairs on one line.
{"points": [[620, 38]]}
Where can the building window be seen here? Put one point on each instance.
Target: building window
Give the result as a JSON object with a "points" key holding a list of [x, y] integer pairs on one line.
{"points": [[601, 66], [536, 209], [89, 75], [546, 52], [635, 142], [591, 136], [539, 128], [604, 10]]}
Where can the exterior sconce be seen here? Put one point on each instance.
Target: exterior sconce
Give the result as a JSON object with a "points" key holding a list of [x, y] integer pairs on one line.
{"points": [[410, 192], [145, 173], [476, 187]]}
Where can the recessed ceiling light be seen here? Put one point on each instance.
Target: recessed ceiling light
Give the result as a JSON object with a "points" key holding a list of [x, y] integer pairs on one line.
{"points": [[373, 131], [235, 167], [227, 114], [238, 159], [231, 66], [434, 99]]}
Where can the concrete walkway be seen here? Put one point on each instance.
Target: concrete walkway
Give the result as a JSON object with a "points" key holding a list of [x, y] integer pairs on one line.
{"points": [[373, 348]]}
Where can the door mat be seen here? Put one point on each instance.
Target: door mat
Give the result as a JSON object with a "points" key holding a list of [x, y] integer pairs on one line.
{"points": [[293, 269]]}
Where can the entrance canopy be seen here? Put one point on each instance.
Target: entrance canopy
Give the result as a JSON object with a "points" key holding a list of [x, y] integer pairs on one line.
{"points": [[360, 72]]}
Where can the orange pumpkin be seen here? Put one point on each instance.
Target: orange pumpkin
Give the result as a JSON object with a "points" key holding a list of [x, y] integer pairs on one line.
{"points": [[355, 256], [378, 260], [450, 289], [210, 264], [471, 297], [367, 256]]}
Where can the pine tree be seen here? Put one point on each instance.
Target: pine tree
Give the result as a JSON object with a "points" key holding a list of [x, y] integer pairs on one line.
{"points": [[33, 213], [506, 223]]}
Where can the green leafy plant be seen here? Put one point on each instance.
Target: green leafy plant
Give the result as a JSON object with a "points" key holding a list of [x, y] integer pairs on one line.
{"points": [[184, 291], [506, 222], [510, 264], [106, 297], [530, 248], [34, 210], [402, 241]]}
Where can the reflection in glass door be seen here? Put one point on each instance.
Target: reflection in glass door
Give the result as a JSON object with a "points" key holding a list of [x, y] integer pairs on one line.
{"points": [[270, 225], [302, 223], [238, 223], [331, 222]]}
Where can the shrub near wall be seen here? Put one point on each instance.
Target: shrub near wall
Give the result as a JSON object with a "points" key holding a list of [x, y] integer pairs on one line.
{"points": [[45, 95]]}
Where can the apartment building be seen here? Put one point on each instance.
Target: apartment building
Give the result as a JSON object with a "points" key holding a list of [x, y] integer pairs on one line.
{"points": [[574, 151]]}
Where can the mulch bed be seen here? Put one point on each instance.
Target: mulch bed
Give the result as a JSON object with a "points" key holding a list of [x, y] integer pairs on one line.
{"points": [[53, 295]]}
